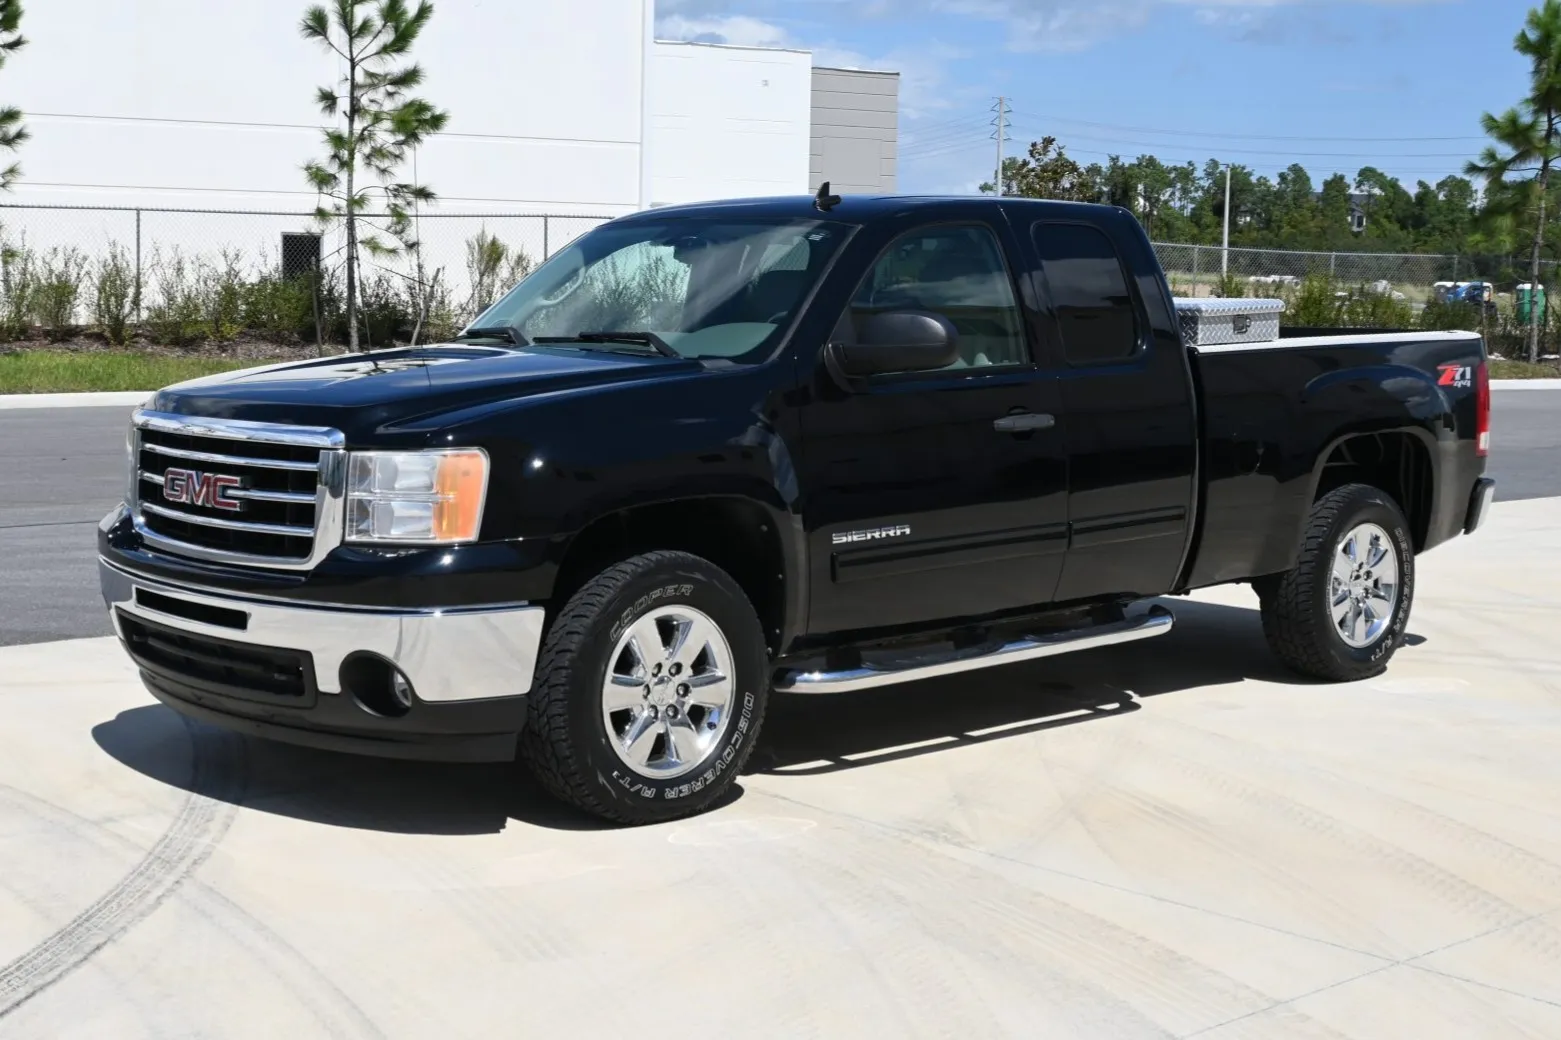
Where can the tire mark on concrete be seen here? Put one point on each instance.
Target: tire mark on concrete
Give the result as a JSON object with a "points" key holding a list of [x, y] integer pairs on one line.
{"points": [[199, 824], [336, 1012]]}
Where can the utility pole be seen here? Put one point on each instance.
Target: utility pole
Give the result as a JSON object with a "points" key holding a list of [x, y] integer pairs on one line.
{"points": [[1002, 110], [1225, 247]]}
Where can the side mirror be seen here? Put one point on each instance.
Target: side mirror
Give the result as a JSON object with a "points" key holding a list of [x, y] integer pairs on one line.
{"points": [[897, 341]]}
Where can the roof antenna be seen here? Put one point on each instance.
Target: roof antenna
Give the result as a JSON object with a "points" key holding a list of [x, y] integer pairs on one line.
{"points": [[824, 201]]}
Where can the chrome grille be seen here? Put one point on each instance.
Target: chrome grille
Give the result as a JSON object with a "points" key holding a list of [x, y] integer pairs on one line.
{"points": [[253, 494]]}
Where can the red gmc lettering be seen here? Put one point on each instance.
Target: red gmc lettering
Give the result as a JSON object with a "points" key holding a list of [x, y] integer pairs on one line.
{"points": [[211, 490]]}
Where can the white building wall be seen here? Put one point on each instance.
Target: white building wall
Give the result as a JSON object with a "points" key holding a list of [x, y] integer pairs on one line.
{"points": [[727, 122], [544, 103]]}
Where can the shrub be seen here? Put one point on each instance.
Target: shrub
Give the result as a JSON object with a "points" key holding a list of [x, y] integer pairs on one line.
{"points": [[1314, 303], [280, 308], [113, 294], [178, 317], [1231, 286], [222, 287], [57, 289], [1365, 308], [492, 269], [387, 311], [1451, 315], [18, 279]]}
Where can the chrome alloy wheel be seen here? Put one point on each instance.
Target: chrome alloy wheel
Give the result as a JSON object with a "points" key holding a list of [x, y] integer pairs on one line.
{"points": [[668, 693], [1363, 586]]}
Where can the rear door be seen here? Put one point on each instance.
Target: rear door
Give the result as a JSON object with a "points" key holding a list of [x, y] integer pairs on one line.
{"points": [[942, 494], [1126, 396]]}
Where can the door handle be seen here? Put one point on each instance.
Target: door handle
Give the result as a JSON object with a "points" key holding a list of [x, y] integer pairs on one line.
{"points": [[1023, 421]]}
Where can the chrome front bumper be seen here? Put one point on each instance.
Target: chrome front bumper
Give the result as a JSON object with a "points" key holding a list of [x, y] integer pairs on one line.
{"points": [[448, 655]]}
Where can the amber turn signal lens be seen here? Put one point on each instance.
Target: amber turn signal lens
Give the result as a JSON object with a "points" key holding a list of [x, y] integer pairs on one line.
{"points": [[461, 482]]}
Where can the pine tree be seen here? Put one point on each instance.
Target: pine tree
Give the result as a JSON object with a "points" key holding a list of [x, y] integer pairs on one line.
{"points": [[379, 125]]}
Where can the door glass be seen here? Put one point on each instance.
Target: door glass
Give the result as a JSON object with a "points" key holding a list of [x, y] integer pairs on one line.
{"points": [[1089, 292], [957, 272]]}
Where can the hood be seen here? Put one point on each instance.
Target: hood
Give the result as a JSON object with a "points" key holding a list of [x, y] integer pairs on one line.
{"points": [[359, 393]]}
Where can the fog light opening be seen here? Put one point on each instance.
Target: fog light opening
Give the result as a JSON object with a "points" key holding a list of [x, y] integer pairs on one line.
{"points": [[377, 686]]}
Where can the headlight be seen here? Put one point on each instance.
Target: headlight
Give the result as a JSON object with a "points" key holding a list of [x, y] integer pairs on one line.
{"points": [[416, 496]]}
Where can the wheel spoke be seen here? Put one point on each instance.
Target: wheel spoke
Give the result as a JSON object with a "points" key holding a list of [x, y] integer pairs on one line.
{"points": [[689, 641], [1379, 552], [1358, 625], [1343, 569], [1382, 592], [647, 644], [682, 740], [709, 690], [640, 738], [1352, 547], [623, 691]]}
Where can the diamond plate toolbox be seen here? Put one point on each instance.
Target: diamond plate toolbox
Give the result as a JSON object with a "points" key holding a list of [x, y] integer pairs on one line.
{"points": [[1207, 322]]}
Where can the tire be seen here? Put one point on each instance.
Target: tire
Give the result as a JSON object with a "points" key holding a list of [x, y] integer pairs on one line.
{"points": [[1298, 606], [579, 730]]}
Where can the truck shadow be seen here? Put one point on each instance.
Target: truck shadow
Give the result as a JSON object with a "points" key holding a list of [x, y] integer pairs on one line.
{"points": [[1212, 645], [336, 789]]}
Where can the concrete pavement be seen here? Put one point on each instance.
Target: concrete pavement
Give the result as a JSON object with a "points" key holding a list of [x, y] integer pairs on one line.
{"points": [[1171, 838]]}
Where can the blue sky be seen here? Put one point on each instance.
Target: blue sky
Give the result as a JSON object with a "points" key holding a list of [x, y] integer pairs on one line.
{"points": [[1332, 84]]}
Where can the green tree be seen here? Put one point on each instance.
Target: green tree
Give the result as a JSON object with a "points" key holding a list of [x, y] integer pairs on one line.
{"points": [[1046, 173], [378, 126], [12, 131], [1525, 139]]}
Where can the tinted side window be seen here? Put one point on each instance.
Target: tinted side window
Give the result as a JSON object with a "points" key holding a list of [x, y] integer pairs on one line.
{"points": [[958, 272], [1089, 292]]}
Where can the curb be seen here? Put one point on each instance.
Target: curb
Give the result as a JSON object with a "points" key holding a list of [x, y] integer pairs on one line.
{"points": [[102, 399], [1526, 384]]}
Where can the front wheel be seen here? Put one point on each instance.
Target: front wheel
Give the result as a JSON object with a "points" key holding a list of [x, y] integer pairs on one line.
{"points": [[650, 690], [1342, 610]]}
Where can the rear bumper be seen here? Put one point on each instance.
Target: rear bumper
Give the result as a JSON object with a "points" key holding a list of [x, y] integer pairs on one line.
{"points": [[275, 669], [1479, 504]]}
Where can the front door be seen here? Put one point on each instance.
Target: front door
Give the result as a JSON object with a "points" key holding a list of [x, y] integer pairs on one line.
{"points": [[937, 495]]}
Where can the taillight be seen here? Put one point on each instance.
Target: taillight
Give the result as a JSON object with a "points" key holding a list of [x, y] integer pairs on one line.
{"points": [[1482, 409]]}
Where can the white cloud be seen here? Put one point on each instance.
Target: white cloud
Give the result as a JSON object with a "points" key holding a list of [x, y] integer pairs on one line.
{"points": [[739, 29]]}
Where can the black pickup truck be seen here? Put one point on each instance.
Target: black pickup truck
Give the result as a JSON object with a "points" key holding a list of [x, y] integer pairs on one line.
{"points": [[710, 453]]}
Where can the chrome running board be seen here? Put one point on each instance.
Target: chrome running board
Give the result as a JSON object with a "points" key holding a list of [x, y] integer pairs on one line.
{"points": [[1156, 622]]}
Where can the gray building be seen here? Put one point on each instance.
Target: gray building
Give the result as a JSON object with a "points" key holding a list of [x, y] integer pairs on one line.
{"points": [[856, 129]]}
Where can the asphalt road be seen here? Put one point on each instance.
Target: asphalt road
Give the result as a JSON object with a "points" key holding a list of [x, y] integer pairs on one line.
{"points": [[64, 469]]}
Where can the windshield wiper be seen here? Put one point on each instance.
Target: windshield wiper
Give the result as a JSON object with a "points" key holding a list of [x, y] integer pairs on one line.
{"points": [[508, 332], [650, 339]]}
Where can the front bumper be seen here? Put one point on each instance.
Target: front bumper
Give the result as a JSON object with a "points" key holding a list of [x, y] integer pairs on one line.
{"points": [[275, 669], [1479, 504]]}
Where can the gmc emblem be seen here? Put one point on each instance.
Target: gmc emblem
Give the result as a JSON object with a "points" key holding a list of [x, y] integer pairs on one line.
{"points": [[212, 490]]}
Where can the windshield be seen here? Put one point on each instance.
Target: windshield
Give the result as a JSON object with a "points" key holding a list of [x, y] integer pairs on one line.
{"points": [[705, 287]]}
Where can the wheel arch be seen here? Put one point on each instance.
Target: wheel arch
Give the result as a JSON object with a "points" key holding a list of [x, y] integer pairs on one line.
{"points": [[759, 545]]}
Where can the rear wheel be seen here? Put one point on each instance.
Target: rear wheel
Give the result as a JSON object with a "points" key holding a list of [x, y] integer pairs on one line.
{"points": [[1341, 612], [650, 690]]}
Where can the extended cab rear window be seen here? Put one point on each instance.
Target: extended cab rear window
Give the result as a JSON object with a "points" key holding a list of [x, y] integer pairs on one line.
{"points": [[1089, 293]]}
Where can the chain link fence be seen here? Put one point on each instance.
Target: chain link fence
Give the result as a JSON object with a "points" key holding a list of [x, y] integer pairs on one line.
{"points": [[1488, 294], [65, 269], [1197, 270], [188, 276]]}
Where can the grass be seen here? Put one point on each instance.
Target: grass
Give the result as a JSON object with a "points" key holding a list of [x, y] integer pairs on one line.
{"points": [[61, 371], [1525, 370]]}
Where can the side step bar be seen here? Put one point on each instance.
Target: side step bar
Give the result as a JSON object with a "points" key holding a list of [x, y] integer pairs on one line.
{"points": [[1156, 622]]}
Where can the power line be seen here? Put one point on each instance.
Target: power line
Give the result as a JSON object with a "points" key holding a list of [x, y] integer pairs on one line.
{"points": [[1252, 137], [269, 191], [1226, 150], [253, 125]]}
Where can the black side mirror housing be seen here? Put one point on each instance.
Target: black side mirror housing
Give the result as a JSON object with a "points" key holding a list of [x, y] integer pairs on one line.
{"points": [[897, 341]]}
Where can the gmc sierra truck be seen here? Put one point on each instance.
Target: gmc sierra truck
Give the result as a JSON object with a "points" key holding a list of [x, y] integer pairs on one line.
{"points": [[711, 453]]}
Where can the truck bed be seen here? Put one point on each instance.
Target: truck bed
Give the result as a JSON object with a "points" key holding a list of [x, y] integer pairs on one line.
{"points": [[1273, 412]]}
